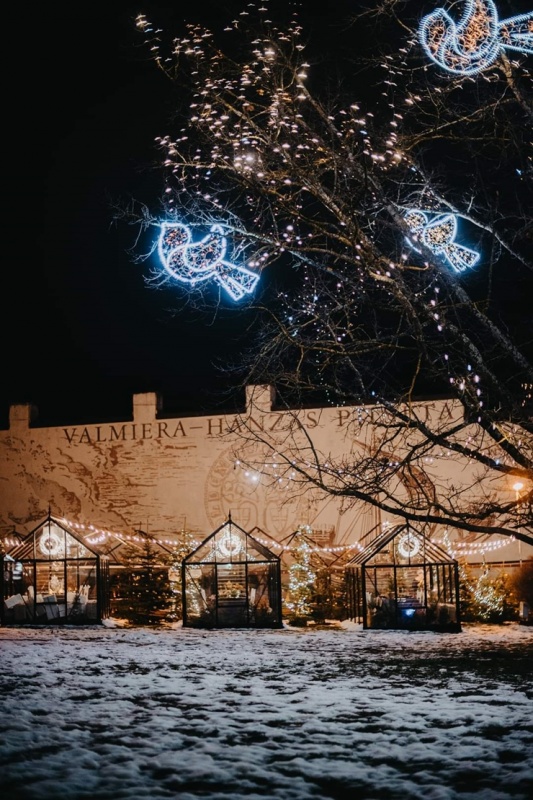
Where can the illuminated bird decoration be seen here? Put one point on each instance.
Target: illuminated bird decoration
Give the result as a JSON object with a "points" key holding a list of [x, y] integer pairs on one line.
{"points": [[439, 235], [474, 42], [197, 262]]}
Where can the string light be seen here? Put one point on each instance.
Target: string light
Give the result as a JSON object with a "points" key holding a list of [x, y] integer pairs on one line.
{"points": [[487, 595], [94, 536], [98, 536], [473, 548], [270, 543]]}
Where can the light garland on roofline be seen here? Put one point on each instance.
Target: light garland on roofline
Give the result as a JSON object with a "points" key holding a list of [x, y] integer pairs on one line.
{"points": [[485, 545], [473, 44], [95, 536], [472, 548], [98, 535], [476, 548], [270, 543]]}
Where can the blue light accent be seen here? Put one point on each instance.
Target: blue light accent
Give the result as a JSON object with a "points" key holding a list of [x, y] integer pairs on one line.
{"points": [[439, 235], [193, 263], [474, 43]]}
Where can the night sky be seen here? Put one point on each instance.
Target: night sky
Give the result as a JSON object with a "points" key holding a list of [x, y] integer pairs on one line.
{"points": [[81, 331]]}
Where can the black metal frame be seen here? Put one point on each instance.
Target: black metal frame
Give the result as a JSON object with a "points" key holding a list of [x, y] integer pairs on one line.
{"points": [[225, 589], [80, 575], [380, 593]]}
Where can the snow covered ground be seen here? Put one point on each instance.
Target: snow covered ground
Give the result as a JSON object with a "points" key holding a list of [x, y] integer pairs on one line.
{"points": [[116, 713]]}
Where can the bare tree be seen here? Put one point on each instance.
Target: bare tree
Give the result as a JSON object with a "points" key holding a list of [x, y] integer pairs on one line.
{"points": [[339, 159]]}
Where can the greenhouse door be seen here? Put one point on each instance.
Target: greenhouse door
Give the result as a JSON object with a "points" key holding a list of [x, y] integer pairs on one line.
{"points": [[232, 606]]}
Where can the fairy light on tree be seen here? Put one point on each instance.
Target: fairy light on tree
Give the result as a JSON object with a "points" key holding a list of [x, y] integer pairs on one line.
{"points": [[489, 596], [486, 597], [302, 576], [313, 177], [186, 543]]}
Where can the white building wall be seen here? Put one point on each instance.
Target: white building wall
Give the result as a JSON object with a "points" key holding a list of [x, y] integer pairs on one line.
{"points": [[163, 474]]}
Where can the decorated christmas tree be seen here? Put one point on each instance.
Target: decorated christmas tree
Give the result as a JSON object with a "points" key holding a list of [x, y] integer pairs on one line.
{"points": [[142, 590], [302, 578], [186, 543], [486, 597]]}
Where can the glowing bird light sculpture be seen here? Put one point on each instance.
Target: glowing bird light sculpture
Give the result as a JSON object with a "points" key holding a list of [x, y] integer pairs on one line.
{"points": [[197, 262], [474, 42], [439, 235]]}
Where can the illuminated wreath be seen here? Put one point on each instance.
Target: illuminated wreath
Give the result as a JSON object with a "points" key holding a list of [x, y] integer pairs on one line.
{"points": [[50, 543], [408, 545], [229, 545]]}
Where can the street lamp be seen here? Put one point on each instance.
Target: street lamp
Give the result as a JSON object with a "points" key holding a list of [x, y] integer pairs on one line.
{"points": [[518, 486]]}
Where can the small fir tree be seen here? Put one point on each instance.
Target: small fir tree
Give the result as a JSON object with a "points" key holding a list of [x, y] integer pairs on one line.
{"points": [[302, 578], [185, 545], [143, 586], [487, 597]]}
